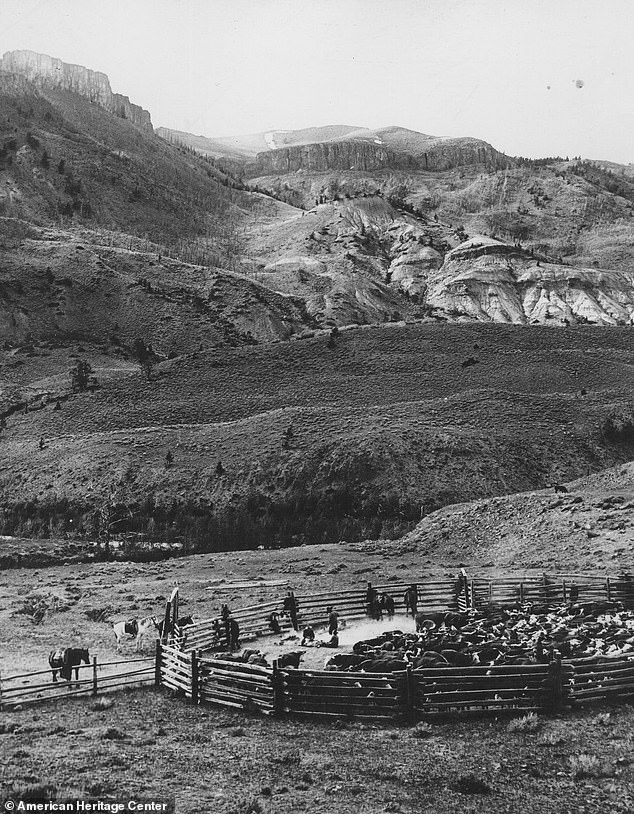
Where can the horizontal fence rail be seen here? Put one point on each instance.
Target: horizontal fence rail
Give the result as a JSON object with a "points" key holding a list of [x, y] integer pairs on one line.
{"points": [[30, 688]]}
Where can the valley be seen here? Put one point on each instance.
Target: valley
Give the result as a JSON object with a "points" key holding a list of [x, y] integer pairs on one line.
{"points": [[293, 336]]}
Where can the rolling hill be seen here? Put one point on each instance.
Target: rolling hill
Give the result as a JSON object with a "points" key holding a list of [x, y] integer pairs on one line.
{"points": [[112, 236]]}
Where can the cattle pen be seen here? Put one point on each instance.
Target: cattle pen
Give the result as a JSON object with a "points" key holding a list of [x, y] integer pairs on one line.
{"points": [[192, 661], [188, 663]]}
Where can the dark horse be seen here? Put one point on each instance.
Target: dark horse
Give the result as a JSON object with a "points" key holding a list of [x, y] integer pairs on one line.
{"points": [[65, 659]]}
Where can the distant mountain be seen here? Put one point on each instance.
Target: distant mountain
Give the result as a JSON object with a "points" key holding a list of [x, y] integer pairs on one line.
{"points": [[342, 147]]}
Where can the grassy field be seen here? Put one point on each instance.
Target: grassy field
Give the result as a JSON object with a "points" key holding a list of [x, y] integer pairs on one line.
{"points": [[317, 443], [148, 744]]}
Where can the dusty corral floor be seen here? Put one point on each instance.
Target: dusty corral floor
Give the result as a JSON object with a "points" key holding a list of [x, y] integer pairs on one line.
{"points": [[219, 761], [314, 656]]}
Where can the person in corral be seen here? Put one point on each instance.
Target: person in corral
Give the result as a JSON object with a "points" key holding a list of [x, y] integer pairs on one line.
{"points": [[225, 615], [410, 598], [291, 607], [371, 596], [333, 620], [274, 623], [234, 634], [387, 604], [376, 609], [334, 641], [308, 636], [215, 626]]}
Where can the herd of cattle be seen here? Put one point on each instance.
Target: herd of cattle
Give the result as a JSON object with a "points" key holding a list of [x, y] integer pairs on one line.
{"points": [[522, 636]]}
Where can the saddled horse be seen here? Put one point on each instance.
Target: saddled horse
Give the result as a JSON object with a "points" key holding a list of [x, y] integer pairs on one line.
{"points": [[137, 628], [65, 659]]}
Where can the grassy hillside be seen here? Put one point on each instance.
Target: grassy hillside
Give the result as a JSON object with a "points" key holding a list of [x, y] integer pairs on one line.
{"points": [[570, 210], [318, 443], [59, 285], [64, 161]]}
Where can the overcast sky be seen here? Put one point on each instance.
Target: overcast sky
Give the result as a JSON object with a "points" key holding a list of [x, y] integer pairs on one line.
{"points": [[532, 77]]}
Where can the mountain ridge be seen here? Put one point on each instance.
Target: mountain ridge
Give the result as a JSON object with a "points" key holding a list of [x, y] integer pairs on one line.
{"points": [[49, 72]]}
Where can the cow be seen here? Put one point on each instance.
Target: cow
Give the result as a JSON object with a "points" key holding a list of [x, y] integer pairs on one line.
{"points": [[290, 659], [343, 661], [65, 659], [383, 665]]}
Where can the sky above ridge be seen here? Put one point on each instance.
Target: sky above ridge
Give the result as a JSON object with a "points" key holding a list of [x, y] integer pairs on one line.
{"points": [[532, 77]]}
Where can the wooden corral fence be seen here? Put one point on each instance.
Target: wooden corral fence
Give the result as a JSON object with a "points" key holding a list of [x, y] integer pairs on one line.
{"points": [[31, 688], [405, 694], [343, 695], [609, 678], [448, 594], [186, 663]]}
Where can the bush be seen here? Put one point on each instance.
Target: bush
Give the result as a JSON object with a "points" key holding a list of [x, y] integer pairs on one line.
{"points": [[527, 723], [618, 427], [102, 703], [422, 730], [470, 784], [590, 766]]}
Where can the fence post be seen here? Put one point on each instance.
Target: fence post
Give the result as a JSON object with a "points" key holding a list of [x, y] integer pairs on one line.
{"points": [[157, 664], [608, 588], [555, 686], [563, 589], [521, 593], [278, 690], [94, 675], [194, 678], [167, 621], [410, 694], [0, 692], [472, 603]]}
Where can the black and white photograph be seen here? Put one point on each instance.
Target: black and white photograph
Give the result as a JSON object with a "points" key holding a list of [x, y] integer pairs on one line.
{"points": [[317, 406]]}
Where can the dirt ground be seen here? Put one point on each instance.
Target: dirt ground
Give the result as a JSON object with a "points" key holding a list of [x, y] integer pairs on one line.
{"points": [[315, 657], [216, 761]]}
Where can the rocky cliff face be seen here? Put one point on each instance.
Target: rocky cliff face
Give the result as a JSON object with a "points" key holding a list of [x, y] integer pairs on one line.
{"points": [[443, 154], [48, 72], [488, 280], [341, 155]]}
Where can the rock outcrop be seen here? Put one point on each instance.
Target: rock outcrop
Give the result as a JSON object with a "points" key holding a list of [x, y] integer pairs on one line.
{"points": [[488, 280], [340, 155], [48, 72], [369, 155]]}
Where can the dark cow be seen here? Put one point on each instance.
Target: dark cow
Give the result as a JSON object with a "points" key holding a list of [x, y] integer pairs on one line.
{"points": [[430, 659], [290, 659], [343, 661], [439, 618], [384, 665], [65, 659]]}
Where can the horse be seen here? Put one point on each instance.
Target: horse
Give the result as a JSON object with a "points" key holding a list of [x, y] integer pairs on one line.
{"points": [[137, 628], [65, 659]]}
